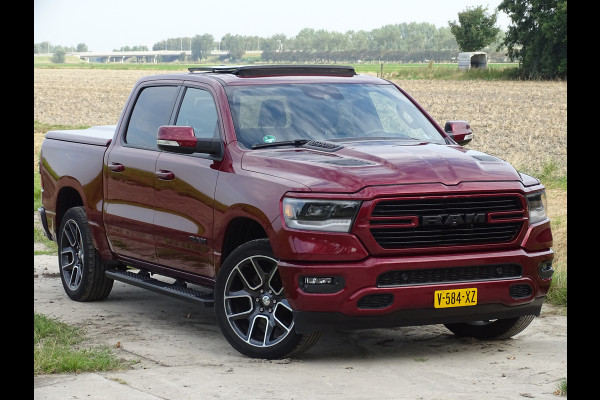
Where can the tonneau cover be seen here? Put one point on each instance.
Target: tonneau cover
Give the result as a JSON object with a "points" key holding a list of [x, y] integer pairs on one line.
{"points": [[95, 135]]}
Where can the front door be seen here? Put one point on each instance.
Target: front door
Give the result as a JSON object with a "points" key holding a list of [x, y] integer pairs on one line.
{"points": [[184, 196]]}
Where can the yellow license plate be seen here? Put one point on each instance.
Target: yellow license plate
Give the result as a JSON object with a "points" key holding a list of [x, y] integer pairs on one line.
{"points": [[455, 298]]}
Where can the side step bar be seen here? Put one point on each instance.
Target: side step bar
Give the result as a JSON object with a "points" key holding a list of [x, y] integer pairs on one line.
{"points": [[178, 290]]}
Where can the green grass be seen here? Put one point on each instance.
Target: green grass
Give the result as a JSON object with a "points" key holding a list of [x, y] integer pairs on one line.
{"points": [[495, 71], [442, 71], [56, 349], [557, 295], [561, 388], [37, 191], [39, 237], [551, 178], [41, 127]]}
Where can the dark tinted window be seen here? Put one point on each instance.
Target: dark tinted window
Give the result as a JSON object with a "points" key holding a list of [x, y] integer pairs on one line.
{"points": [[152, 109], [198, 110]]}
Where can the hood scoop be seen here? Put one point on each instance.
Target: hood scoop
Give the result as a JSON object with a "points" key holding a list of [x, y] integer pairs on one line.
{"points": [[323, 146]]}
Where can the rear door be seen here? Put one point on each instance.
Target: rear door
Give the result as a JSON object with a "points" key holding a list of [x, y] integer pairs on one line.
{"points": [[184, 196], [131, 173]]}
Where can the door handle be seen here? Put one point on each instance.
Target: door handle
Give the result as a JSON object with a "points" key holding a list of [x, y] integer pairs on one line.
{"points": [[116, 167], [165, 175]]}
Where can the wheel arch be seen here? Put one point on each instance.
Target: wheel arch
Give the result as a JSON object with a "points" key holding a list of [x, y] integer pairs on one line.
{"points": [[239, 230], [67, 197], [72, 194]]}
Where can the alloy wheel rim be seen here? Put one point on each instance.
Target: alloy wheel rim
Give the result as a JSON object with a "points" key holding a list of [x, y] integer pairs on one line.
{"points": [[255, 304], [71, 255]]}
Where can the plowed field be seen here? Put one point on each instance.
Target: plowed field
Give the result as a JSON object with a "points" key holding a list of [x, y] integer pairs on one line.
{"points": [[524, 122]]}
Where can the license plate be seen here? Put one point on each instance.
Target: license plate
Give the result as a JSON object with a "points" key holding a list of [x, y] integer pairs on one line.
{"points": [[455, 298]]}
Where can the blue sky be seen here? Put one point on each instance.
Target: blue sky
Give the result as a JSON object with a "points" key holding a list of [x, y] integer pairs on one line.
{"points": [[104, 25]]}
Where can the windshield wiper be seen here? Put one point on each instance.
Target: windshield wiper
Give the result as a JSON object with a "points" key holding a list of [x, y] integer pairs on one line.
{"points": [[295, 142]]}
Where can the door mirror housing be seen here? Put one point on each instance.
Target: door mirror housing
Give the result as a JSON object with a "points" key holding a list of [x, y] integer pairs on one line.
{"points": [[460, 131], [181, 139]]}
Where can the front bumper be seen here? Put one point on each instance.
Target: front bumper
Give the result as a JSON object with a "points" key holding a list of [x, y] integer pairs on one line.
{"points": [[412, 304], [307, 321]]}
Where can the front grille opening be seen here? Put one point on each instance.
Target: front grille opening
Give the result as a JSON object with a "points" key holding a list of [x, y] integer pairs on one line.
{"points": [[375, 301], [393, 238], [448, 275], [446, 221], [520, 291]]}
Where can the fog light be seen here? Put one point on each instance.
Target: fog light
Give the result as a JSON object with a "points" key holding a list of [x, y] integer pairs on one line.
{"points": [[545, 270], [321, 284], [317, 280]]}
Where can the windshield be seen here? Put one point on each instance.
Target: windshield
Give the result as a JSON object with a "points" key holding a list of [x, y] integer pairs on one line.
{"points": [[264, 114]]}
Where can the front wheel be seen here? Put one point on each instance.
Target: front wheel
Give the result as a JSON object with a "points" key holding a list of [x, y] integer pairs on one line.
{"points": [[251, 307], [81, 268], [494, 329]]}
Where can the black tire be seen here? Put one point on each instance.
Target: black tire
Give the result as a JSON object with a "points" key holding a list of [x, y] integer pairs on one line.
{"points": [[81, 269], [251, 308], [495, 329]]}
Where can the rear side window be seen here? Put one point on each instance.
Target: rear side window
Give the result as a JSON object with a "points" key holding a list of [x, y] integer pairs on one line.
{"points": [[198, 110], [152, 109]]}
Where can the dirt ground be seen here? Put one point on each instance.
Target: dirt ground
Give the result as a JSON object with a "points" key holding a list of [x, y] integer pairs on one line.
{"points": [[181, 354]]}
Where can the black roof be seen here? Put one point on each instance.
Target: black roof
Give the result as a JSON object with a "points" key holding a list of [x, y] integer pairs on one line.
{"points": [[272, 70]]}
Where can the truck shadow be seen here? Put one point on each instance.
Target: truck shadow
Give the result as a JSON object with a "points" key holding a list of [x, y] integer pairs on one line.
{"points": [[197, 324]]}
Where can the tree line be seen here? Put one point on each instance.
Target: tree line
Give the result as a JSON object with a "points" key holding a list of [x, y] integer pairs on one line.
{"points": [[404, 42]]}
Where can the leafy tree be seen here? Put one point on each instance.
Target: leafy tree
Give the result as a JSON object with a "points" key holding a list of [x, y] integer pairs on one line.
{"points": [[537, 37], [82, 47], [475, 29], [58, 57], [202, 46], [444, 40], [237, 47], [358, 40], [305, 40], [45, 47]]}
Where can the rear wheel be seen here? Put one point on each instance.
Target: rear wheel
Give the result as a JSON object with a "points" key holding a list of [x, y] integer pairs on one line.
{"points": [[81, 269], [492, 329], [251, 307]]}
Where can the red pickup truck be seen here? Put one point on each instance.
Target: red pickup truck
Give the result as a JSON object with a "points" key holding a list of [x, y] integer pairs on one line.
{"points": [[295, 199]]}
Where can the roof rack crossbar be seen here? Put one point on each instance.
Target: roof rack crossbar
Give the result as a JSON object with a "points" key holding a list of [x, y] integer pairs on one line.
{"points": [[222, 69], [271, 70]]}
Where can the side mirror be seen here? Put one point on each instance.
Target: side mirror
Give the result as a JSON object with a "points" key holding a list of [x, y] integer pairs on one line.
{"points": [[460, 131], [181, 139]]}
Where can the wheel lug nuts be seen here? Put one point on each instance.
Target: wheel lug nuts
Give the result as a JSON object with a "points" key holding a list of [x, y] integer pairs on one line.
{"points": [[257, 299], [262, 309], [270, 310]]}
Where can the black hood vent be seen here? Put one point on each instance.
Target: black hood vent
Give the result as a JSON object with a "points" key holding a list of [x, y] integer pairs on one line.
{"points": [[323, 146]]}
